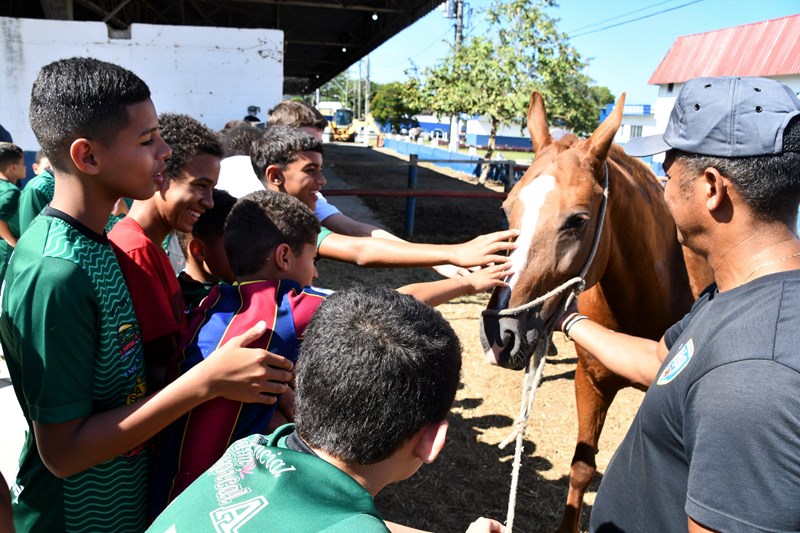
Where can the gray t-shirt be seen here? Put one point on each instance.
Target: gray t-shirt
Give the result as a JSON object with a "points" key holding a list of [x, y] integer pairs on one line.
{"points": [[717, 436]]}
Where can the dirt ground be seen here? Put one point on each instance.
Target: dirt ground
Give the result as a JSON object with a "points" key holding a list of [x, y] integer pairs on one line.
{"points": [[472, 475]]}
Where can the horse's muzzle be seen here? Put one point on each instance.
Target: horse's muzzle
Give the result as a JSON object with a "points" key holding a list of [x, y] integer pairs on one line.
{"points": [[511, 340]]}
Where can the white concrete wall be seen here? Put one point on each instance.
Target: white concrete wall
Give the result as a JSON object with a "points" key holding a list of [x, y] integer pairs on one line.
{"points": [[623, 134], [212, 74]]}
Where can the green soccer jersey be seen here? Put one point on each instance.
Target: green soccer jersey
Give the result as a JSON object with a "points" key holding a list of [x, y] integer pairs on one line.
{"points": [[261, 484], [9, 202], [73, 349], [34, 197]]}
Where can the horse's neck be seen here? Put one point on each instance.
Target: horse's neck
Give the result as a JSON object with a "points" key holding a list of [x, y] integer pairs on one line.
{"points": [[644, 274]]}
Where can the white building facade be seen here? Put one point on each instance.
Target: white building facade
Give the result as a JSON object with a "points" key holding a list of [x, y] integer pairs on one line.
{"points": [[212, 74]]}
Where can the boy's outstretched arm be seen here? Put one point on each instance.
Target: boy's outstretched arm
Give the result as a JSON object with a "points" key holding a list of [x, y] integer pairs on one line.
{"points": [[341, 223], [243, 374], [372, 252], [434, 293]]}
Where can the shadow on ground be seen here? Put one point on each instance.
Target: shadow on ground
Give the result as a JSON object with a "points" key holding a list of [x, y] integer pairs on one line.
{"points": [[472, 479]]}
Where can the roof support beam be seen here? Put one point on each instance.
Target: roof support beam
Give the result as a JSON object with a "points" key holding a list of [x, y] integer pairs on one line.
{"points": [[115, 10], [57, 9], [320, 43], [324, 5], [97, 10]]}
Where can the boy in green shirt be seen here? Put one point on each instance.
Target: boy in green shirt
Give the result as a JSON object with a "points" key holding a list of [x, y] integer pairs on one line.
{"points": [[12, 169], [68, 328]]}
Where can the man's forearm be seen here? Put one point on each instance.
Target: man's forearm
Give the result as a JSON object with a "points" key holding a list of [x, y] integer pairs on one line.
{"points": [[633, 358]]}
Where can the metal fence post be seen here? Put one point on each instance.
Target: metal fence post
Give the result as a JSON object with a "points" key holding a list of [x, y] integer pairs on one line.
{"points": [[510, 175], [411, 202]]}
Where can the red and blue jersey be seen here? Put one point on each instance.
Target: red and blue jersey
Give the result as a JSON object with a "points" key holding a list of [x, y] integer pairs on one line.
{"points": [[191, 444]]}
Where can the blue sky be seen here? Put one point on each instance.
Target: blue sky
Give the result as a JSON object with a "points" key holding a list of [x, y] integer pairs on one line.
{"points": [[622, 58]]}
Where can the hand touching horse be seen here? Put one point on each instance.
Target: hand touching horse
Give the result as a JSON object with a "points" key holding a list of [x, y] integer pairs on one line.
{"points": [[627, 252]]}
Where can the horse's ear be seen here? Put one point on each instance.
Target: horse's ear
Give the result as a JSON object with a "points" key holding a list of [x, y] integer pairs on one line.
{"points": [[537, 123], [603, 136]]}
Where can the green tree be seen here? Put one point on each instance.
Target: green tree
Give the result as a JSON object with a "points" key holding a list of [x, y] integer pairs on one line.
{"points": [[391, 105], [493, 75], [601, 95]]}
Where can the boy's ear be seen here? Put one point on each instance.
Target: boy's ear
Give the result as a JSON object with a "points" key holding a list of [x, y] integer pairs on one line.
{"points": [[431, 441], [81, 152], [197, 249], [274, 176], [283, 255]]}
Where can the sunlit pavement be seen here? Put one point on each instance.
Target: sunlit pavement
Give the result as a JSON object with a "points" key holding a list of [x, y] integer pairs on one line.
{"points": [[12, 426]]}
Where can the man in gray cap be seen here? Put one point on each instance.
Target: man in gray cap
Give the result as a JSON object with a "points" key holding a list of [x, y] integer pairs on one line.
{"points": [[716, 442]]}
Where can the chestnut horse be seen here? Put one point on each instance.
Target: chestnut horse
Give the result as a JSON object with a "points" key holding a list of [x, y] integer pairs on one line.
{"points": [[637, 281]]}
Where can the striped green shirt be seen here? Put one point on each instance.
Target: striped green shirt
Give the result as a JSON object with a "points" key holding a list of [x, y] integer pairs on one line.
{"points": [[73, 348]]}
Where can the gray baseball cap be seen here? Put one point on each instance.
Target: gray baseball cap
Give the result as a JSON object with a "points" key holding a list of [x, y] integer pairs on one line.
{"points": [[727, 117]]}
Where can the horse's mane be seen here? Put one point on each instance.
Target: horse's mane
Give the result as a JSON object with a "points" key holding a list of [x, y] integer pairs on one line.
{"points": [[635, 166]]}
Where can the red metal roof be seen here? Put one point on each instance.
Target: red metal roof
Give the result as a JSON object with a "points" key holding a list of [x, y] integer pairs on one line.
{"points": [[766, 48]]}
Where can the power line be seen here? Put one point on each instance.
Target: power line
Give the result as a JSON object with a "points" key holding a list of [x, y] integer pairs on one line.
{"points": [[619, 16], [634, 20], [437, 40]]}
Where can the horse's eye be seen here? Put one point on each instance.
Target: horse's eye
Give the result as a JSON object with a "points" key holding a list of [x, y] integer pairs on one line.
{"points": [[575, 222]]}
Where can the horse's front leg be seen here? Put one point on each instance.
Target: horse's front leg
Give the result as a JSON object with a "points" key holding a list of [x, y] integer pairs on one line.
{"points": [[592, 402]]}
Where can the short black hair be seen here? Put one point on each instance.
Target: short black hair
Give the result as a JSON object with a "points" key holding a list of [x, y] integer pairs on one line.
{"points": [[39, 156], [261, 221], [81, 97], [375, 367], [187, 137], [239, 139], [211, 224], [296, 114], [279, 146], [10, 153]]}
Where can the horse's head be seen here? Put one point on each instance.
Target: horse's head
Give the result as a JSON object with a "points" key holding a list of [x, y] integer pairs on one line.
{"points": [[556, 206]]}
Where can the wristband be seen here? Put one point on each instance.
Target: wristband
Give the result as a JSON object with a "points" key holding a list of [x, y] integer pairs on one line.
{"points": [[571, 321]]}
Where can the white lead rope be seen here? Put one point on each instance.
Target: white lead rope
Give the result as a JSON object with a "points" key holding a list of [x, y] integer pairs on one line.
{"points": [[529, 387], [530, 382]]}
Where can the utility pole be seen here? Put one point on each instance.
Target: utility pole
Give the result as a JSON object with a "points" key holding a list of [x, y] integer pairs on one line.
{"points": [[455, 120], [358, 96], [367, 95], [459, 24]]}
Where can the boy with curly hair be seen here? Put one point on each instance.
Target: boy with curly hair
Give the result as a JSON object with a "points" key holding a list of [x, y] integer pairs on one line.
{"points": [[182, 196]]}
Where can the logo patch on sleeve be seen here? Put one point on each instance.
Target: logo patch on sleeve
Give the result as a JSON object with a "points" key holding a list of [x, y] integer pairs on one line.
{"points": [[678, 363]]}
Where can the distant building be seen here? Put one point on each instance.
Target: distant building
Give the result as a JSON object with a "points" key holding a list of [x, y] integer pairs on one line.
{"points": [[637, 120], [769, 49]]}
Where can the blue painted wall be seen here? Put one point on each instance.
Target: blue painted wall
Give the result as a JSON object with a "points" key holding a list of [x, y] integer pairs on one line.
{"points": [[483, 140], [425, 151]]}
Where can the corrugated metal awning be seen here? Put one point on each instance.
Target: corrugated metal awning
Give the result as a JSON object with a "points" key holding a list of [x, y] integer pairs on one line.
{"points": [[767, 48]]}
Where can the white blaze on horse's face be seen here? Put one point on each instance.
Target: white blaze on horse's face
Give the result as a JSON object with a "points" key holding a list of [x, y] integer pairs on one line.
{"points": [[533, 198]]}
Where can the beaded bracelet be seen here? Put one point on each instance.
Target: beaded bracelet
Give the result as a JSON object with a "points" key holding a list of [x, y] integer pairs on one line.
{"points": [[571, 321]]}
